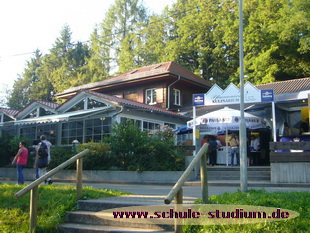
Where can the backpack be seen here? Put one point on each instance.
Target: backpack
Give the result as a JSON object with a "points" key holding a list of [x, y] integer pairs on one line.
{"points": [[43, 150]]}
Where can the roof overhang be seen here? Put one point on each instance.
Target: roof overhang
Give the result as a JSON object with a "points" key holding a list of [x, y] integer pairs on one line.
{"points": [[62, 117]]}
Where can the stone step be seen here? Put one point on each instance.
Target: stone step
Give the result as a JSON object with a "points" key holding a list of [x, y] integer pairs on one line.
{"points": [[225, 168], [233, 173], [233, 178], [122, 201], [100, 218], [85, 228]]}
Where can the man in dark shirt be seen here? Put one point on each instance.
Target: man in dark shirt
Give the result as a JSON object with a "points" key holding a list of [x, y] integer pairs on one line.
{"points": [[212, 150]]}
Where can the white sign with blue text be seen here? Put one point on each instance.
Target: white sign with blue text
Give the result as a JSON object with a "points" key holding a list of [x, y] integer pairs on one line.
{"points": [[231, 95]]}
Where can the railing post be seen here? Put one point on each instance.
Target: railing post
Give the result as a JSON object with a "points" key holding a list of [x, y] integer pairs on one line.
{"points": [[178, 228], [34, 194], [79, 171], [204, 178]]}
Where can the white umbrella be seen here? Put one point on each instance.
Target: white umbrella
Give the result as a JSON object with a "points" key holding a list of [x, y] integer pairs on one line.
{"points": [[223, 120]]}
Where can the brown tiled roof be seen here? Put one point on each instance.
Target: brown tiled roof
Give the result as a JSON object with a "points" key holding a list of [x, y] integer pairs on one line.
{"points": [[289, 86], [9, 112], [134, 104], [48, 104], [144, 72]]}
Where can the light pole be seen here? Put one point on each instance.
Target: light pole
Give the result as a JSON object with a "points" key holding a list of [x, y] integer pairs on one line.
{"points": [[242, 128]]}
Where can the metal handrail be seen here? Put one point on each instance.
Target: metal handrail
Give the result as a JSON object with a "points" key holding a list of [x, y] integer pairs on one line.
{"points": [[178, 185], [177, 191], [33, 187]]}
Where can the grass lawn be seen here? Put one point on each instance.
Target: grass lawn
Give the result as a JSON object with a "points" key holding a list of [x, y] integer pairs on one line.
{"points": [[54, 202], [296, 201]]}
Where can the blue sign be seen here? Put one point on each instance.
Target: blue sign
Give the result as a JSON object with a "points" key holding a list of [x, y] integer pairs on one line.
{"points": [[198, 99], [267, 95]]}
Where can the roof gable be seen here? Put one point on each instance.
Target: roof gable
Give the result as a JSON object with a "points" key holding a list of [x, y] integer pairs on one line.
{"points": [[82, 101], [9, 112], [134, 104], [34, 105]]}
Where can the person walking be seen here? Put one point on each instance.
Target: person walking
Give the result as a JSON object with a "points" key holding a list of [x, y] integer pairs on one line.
{"points": [[234, 144], [43, 157], [20, 160]]}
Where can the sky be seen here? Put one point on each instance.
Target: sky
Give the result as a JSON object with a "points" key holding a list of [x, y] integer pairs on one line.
{"points": [[27, 25]]}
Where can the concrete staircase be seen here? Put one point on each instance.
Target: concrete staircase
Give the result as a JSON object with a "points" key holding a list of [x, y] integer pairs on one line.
{"points": [[88, 217], [227, 173]]}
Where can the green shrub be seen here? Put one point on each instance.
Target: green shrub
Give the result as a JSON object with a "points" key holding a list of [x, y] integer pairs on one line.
{"points": [[5, 155], [9, 147], [60, 154], [134, 150], [128, 145], [98, 158]]}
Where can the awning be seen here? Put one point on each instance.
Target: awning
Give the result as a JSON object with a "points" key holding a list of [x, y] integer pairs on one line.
{"points": [[60, 117]]}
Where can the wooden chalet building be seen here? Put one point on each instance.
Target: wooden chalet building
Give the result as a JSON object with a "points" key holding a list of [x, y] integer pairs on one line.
{"points": [[151, 96]]}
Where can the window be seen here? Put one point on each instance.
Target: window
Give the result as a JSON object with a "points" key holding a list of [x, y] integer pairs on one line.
{"points": [[148, 126], [32, 114], [49, 131], [72, 131], [6, 118], [77, 107], [173, 126], [176, 97], [44, 112], [150, 96], [34, 132], [96, 129], [133, 121], [29, 132], [94, 104]]}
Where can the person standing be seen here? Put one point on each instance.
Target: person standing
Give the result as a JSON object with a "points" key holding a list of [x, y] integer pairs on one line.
{"points": [[254, 145], [212, 150], [234, 144], [41, 162], [21, 159]]}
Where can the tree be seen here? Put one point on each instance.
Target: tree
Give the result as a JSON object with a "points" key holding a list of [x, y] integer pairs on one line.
{"points": [[98, 64], [204, 37], [31, 85], [119, 27], [4, 94], [276, 40]]}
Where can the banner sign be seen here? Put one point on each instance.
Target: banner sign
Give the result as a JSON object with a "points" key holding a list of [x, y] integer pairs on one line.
{"points": [[231, 95], [267, 95], [198, 99]]}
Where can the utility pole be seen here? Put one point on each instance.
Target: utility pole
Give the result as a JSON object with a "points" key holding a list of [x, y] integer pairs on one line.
{"points": [[242, 128]]}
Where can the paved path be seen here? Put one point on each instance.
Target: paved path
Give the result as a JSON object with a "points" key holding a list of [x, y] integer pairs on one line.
{"points": [[155, 194], [191, 191]]}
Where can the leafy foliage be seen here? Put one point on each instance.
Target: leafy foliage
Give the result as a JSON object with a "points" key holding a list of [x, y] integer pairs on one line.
{"points": [[99, 157], [133, 149], [128, 149], [201, 35], [9, 147]]}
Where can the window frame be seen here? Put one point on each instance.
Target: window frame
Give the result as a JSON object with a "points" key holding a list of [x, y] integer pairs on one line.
{"points": [[176, 97], [152, 93]]}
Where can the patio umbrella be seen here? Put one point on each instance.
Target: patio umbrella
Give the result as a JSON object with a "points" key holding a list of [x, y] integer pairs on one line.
{"points": [[223, 120]]}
